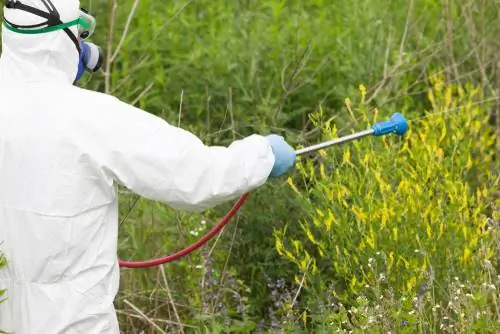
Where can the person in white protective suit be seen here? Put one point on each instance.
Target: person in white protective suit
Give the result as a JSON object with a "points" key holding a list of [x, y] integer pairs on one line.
{"points": [[62, 151]]}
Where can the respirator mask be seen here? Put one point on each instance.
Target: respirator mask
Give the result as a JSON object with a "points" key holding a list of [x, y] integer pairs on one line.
{"points": [[91, 55]]}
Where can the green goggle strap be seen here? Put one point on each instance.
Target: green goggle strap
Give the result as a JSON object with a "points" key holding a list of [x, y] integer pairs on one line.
{"points": [[62, 26]]}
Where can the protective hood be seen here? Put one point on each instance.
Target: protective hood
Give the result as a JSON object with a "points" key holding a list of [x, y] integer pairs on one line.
{"points": [[50, 56]]}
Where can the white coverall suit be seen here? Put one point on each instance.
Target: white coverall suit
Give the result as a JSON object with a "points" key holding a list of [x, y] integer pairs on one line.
{"points": [[62, 149]]}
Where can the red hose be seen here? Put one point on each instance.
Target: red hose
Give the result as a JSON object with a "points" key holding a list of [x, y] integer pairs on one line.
{"points": [[193, 247]]}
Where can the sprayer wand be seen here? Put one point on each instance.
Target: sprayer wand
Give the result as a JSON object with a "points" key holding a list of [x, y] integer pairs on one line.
{"points": [[396, 124]]}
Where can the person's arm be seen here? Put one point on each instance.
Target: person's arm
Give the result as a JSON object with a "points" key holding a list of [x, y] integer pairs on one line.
{"points": [[161, 162]]}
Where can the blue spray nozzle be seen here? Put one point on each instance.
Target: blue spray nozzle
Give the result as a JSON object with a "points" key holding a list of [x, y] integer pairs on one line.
{"points": [[397, 124]]}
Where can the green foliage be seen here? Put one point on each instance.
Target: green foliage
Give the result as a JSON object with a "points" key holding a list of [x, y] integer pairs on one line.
{"points": [[402, 215], [225, 69], [300, 259]]}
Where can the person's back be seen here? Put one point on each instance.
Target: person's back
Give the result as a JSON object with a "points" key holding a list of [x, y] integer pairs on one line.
{"points": [[62, 151], [57, 217]]}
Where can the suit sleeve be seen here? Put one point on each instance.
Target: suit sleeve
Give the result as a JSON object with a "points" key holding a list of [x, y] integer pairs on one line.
{"points": [[162, 162]]}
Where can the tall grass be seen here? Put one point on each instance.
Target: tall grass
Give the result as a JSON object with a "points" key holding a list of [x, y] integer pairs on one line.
{"points": [[402, 220], [225, 69]]}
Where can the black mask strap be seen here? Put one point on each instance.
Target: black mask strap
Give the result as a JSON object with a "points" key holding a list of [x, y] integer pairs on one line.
{"points": [[53, 18]]}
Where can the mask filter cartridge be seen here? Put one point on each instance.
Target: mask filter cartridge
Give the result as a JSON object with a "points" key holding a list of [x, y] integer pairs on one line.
{"points": [[91, 58]]}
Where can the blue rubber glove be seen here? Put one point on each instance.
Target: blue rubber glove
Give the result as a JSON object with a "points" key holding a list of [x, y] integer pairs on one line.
{"points": [[284, 155]]}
